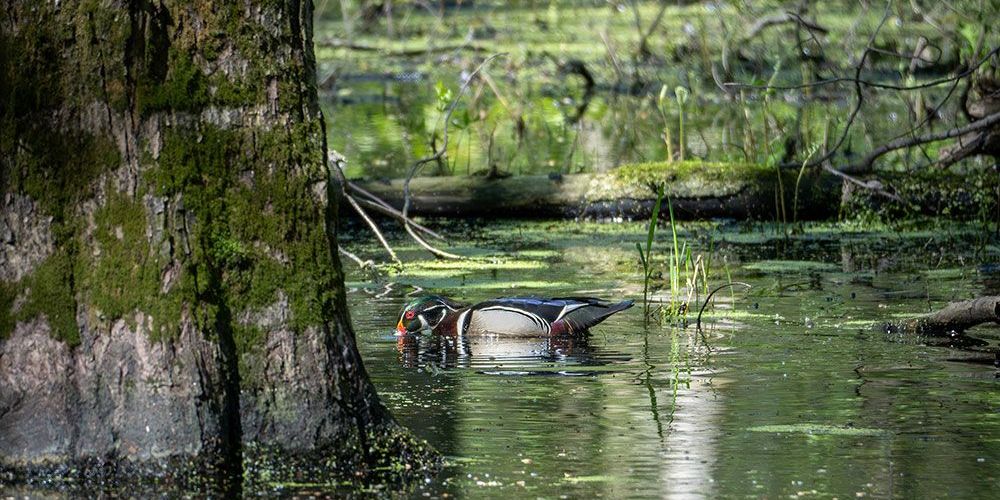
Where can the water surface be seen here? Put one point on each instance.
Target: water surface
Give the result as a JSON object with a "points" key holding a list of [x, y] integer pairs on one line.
{"points": [[787, 391]]}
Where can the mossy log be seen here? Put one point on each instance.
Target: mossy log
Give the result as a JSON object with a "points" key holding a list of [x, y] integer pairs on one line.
{"points": [[956, 317], [171, 300], [697, 190]]}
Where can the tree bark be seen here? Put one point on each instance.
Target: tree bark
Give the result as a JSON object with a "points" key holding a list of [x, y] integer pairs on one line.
{"points": [[171, 299]]}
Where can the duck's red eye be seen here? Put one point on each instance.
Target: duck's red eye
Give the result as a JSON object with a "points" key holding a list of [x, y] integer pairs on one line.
{"points": [[410, 314]]}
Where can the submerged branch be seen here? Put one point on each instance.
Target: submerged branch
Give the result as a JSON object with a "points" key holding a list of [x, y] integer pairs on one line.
{"points": [[953, 318], [709, 298]]}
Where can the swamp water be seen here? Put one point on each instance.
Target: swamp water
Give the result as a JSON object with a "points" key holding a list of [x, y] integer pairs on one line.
{"points": [[787, 391]]}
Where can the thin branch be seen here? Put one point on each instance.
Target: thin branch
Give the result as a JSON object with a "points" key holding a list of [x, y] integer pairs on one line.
{"points": [[373, 226], [906, 142], [868, 83], [337, 159], [781, 18], [872, 185], [435, 157], [374, 202], [396, 214], [363, 264], [930, 116], [652, 27], [859, 96]]}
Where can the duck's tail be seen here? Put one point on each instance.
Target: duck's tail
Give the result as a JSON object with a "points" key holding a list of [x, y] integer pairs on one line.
{"points": [[591, 312]]}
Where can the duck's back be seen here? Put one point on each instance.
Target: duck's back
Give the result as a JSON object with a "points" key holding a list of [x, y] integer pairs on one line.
{"points": [[532, 316]]}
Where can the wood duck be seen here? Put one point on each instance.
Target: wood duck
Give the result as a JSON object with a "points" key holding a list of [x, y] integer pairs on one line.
{"points": [[513, 316]]}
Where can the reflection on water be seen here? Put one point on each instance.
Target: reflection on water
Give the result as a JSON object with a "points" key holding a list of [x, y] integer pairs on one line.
{"points": [[788, 391], [499, 355]]}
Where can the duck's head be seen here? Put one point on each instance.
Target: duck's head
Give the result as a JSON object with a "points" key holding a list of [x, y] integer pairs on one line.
{"points": [[424, 313]]}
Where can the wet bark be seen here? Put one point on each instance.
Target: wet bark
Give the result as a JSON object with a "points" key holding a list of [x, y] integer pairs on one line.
{"points": [[171, 299]]}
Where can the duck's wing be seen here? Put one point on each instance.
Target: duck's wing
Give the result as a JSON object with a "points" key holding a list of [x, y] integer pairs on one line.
{"points": [[548, 310], [584, 312]]}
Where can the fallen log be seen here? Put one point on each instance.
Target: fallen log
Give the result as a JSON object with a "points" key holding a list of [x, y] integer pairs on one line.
{"points": [[337, 43], [697, 190], [956, 317]]}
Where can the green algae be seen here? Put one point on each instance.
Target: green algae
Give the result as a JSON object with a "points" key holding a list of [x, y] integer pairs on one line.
{"points": [[820, 430], [790, 266], [588, 479]]}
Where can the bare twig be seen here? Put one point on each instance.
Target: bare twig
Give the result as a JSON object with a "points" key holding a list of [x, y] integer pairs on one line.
{"points": [[872, 185], [435, 157], [860, 100], [374, 227], [930, 116], [336, 159], [781, 18], [370, 200], [612, 56], [643, 49], [396, 214]]}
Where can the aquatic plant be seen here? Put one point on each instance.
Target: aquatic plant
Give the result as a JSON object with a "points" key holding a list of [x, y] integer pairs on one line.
{"points": [[645, 258], [798, 180], [666, 123], [675, 265], [681, 94]]}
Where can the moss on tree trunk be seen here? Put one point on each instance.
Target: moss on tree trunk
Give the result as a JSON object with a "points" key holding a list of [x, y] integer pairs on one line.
{"points": [[172, 301]]}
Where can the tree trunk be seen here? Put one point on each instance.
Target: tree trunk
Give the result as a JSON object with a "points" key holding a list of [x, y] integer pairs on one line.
{"points": [[171, 300]]}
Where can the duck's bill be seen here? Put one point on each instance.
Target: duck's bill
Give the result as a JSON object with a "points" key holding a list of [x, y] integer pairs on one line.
{"points": [[400, 329]]}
